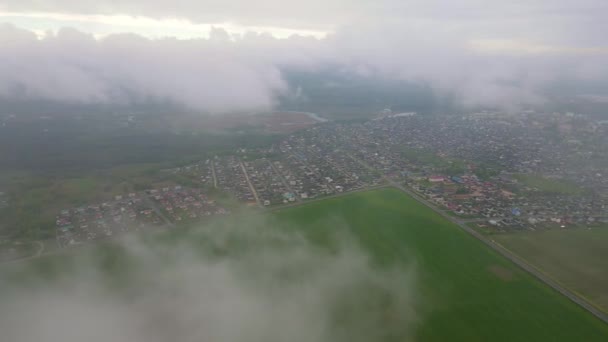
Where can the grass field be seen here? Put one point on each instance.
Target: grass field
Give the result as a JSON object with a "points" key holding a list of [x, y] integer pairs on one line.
{"points": [[575, 257], [549, 186], [473, 294], [463, 290]]}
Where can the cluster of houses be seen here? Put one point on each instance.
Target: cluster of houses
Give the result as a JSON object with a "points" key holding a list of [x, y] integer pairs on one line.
{"points": [[254, 182], [182, 204], [439, 157], [509, 145], [300, 172], [271, 187], [133, 212], [320, 167], [231, 177], [202, 171], [104, 220], [465, 195]]}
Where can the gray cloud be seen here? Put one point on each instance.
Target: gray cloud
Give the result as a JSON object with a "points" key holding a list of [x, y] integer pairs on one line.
{"points": [[447, 60], [553, 21], [261, 284], [506, 55], [73, 67]]}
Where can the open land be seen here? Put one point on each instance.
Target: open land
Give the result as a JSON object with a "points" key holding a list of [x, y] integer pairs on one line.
{"points": [[465, 290], [547, 185], [576, 258], [474, 293], [269, 123]]}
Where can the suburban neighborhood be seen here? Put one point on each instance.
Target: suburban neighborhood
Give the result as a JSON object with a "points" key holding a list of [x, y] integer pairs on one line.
{"points": [[500, 172]]}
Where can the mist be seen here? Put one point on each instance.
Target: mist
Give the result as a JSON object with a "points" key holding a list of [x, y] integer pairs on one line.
{"points": [[250, 278], [247, 72]]}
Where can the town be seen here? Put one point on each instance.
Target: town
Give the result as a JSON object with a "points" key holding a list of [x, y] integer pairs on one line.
{"points": [[499, 172]]}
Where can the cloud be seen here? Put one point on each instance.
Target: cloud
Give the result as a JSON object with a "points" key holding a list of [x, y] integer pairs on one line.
{"points": [[73, 67], [492, 75], [578, 22], [313, 14], [507, 57], [253, 282]]}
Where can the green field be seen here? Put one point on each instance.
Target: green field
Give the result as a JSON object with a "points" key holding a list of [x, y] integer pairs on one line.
{"points": [[473, 294], [549, 186], [575, 257], [426, 279]]}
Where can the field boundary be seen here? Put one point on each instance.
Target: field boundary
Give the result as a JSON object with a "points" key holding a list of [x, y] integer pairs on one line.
{"points": [[515, 259], [548, 275]]}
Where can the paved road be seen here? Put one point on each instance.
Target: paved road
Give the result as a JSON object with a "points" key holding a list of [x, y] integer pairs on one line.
{"points": [[515, 259], [213, 174]]}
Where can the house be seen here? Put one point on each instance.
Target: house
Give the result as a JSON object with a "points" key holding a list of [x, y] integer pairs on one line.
{"points": [[457, 179], [436, 179]]}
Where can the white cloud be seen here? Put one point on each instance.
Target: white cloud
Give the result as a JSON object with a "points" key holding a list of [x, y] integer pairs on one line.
{"points": [[503, 55], [74, 67], [274, 287], [553, 21], [103, 25]]}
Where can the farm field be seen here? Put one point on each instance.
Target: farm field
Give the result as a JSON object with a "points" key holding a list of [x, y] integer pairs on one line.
{"points": [[549, 186], [574, 257], [473, 294], [369, 266]]}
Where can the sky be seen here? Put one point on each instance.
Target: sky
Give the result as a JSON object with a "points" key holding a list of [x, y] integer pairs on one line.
{"points": [[230, 55]]}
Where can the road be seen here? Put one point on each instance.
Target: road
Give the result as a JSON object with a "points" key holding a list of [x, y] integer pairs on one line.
{"points": [[251, 187], [513, 258], [213, 174], [283, 180], [158, 211]]}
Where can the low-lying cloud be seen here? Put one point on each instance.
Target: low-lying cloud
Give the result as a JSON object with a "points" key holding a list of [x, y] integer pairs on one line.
{"points": [[247, 72], [231, 282], [73, 67]]}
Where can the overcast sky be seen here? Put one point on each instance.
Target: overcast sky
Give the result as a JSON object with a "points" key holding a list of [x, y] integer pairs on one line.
{"points": [[228, 55]]}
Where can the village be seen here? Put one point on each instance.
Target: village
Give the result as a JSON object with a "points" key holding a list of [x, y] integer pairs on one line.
{"points": [[104, 220], [505, 173]]}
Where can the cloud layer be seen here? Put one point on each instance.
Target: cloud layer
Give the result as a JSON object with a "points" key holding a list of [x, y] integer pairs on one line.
{"points": [[508, 55], [249, 283], [73, 67], [552, 20]]}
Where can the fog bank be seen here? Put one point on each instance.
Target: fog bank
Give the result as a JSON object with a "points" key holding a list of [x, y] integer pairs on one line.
{"points": [[228, 282]]}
